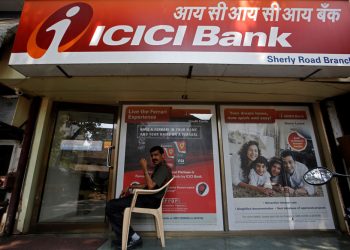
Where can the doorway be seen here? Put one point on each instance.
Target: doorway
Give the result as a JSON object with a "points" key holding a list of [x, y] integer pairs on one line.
{"points": [[9, 155], [78, 178]]}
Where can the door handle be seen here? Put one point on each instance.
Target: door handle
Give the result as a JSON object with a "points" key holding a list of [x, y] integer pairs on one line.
{"points": [[109, 153]]}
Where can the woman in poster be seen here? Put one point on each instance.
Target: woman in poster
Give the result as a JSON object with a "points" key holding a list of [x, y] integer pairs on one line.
{"points": [[249, 152], [277, 174]]}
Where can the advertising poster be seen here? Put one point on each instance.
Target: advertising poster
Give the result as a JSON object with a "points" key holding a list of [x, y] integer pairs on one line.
{"points": [[267, 150], [188, 135]]}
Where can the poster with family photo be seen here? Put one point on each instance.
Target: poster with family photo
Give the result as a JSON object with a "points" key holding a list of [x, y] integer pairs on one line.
{"points": [[267, 150]]}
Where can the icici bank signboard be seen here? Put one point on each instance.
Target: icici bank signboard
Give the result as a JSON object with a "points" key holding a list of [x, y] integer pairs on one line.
{"points": [[191, 31]]}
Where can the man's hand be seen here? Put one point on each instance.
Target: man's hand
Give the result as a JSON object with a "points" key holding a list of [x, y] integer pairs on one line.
{"points": [[124, 192], [143, 164], [300, 191], [266, 191], [133, 186], [288, 190], [148, 181], [130, 189], [277, 188]]}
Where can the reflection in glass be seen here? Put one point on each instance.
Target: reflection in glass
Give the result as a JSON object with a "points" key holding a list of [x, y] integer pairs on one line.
{"points": [[77, 176], [318, 176]]}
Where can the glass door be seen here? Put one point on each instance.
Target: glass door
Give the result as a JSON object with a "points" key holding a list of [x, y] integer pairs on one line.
{"points": [[77, 179]]}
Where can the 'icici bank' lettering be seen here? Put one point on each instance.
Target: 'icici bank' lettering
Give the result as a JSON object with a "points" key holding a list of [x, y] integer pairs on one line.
{"points": [[128, 34], [204, 36], [210, 35]]}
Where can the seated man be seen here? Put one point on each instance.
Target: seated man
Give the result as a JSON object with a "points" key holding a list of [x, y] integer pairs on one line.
{"points": [[294, 172], [115, 207]]}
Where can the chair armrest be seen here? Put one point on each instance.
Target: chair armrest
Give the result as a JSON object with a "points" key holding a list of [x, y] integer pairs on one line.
{"points": [[138, 191], [145, 191], [152, 191]]}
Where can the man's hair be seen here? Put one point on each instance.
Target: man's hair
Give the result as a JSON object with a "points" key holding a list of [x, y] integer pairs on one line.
{"points": [[155, 148], [286, 153], [261, 160]]}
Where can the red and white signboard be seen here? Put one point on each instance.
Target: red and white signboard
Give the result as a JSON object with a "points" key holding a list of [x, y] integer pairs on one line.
{"points": [[178, 31]]}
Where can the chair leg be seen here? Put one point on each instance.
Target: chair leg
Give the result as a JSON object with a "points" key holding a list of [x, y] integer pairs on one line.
{"points": [[160, 229], [126, 226], [156, 225]]}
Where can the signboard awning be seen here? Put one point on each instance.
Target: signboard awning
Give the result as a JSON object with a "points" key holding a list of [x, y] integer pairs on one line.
{"points": [[8, 132], [7, 29], [166, 37]]}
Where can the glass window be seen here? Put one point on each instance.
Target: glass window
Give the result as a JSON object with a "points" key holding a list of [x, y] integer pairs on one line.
{"points": [[77, 176]]}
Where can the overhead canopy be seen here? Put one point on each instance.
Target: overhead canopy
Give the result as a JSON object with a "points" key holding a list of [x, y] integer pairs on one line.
{"points": [[8, 29], [70, 70], [4, 90], [8, 132], [198, 38]]}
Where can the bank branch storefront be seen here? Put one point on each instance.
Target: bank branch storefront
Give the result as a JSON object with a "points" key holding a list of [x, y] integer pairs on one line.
{"points": [[203, 79]]}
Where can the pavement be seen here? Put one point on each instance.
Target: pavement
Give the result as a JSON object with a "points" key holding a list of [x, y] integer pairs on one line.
{"points": [[332, 240], [52, 241]]}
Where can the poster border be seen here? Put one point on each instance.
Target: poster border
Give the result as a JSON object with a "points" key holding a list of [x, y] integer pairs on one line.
{"points": [[216, 161], [232, 226]]}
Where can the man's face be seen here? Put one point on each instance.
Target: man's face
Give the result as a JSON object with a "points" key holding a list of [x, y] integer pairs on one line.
{"points": [[156, 157], [260, 168], [288, 164]]}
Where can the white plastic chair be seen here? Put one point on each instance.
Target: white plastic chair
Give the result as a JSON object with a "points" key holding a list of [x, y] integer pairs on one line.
{"points": [[156, 212]]}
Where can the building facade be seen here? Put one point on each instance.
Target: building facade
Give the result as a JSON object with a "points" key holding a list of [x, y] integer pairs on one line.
{"points": [[98, 84]]}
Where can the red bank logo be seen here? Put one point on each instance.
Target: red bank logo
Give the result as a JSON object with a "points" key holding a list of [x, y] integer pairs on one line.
{"points": [[60, 31]]}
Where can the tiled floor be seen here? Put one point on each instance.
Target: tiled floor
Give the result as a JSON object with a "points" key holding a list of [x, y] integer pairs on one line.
{"points": [[321, 241], [255, 241], [52, 242]]}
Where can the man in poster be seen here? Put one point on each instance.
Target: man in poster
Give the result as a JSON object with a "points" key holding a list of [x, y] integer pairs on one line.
{"points": [[115, 207], [295, 171]]}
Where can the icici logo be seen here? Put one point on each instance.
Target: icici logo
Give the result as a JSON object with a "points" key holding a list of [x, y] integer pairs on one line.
{"points": [[60, 31]]}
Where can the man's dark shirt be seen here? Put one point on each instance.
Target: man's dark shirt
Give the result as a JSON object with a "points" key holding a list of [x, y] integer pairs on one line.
{"points": [[161, 175]]}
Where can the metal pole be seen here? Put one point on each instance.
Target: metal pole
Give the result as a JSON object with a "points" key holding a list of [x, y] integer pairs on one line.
{"points": [[22, 165]]}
